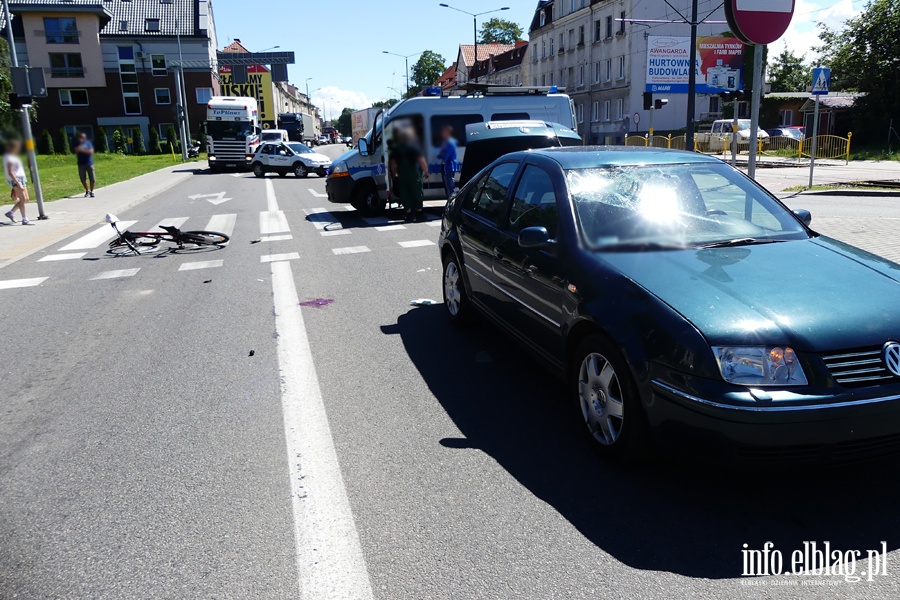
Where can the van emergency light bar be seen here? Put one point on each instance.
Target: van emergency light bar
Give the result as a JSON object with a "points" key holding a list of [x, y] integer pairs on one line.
{"points": [[488, 89]]}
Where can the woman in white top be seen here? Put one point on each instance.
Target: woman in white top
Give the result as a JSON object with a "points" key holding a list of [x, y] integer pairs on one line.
{"points": [[15, 177]]}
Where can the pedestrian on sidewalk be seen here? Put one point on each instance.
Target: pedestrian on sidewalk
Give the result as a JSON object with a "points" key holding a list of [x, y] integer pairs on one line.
{"points": [[85, 153], [409, 167], [15, 177], [449, 160]]}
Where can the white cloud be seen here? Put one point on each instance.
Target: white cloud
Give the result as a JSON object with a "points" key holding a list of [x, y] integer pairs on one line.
{"points": [[332, 100], [803, 34]]}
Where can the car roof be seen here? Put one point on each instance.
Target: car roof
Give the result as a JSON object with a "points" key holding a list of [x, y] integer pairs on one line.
{"points": [[585, 157]]}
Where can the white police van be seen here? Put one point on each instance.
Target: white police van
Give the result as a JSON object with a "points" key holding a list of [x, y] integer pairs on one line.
{"points": [[358, 176]]}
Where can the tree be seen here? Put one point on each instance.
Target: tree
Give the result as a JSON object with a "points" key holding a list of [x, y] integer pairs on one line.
{"points": [[172, 138], [120, 144], [385, 103], [499, 31], [139, 147], [863, 57], [45, 143], [788, 73], [154, 148], [101, 142], [345, 122], [62, 142], [426, 71]]}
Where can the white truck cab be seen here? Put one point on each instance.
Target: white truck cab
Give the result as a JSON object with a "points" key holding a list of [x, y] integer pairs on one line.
{"points": [[358, 177], [232, 132], [274, 135]]}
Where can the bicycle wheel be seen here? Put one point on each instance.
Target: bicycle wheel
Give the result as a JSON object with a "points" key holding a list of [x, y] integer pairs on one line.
{"points": [[204, 238]]}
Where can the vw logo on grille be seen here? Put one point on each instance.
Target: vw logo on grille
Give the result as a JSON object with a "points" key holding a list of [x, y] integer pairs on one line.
{"points": [[891, 356]]}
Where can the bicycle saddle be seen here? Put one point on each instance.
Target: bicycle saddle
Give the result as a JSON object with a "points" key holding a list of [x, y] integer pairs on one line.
{"points": [[171, 229], [111, 218]]}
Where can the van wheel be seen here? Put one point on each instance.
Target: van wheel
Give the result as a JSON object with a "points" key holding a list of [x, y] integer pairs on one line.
{"points": [[258, 170], [367, 201]]}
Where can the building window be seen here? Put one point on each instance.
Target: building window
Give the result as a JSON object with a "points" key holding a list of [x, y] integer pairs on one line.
{"points": [[543, 49], [571, 6], [158, 64], [609, 27], [551, 45], [551, 78], [785, 117], [580, 113], [581, 75], [581, 35], [131, 97], [123, 25], [543, 80], [606, 114], [73, 98], [562, 43], [66, 64], [598, 30], [620, 109], [608, 70], [163, 128], [151, 25], [163, 96], [204, 95], [715, 105], [621, 68], [543, 19], [622, 22], [60, 30], [534, 55], [571, 39], [165, 1], [595, 111], [72, 131]]}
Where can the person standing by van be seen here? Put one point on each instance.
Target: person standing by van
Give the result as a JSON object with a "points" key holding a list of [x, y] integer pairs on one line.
{"points": [[449, 160], [15, 177], [409, 167]]}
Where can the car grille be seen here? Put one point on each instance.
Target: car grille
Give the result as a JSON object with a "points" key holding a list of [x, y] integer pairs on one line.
{"points": [[847, 451], [857, 368]]}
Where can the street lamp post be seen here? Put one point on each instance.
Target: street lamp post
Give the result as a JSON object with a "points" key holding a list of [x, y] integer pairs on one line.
{"points": [[405, 57], [475, 28], [308, 101]]}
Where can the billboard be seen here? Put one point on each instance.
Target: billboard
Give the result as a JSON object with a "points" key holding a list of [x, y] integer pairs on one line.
{"points": [[259, 86], [720, 64]]}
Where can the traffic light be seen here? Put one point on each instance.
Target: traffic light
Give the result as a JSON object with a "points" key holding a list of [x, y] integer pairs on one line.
{"points": [[660, 102], [731, 96], [648, 100]]}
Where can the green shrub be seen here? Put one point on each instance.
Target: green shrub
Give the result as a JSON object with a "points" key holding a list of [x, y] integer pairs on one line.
{"points": [[139, 147], [154, 148], [172, 138], [62, 143], [101, 142], [120, 142], [45, 143]]}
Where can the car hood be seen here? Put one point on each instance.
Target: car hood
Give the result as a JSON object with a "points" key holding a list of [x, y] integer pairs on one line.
{"points": [[315, 156], [814, 295]]}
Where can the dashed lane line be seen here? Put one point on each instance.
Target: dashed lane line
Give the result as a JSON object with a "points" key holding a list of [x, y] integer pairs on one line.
{"points": [[116, 274], [351, 250], [335, 232], [390, 227], [276, 238], [273, 222], [271, 201], [10, 284], [204, 264], [268, 258], [416, 243], [68, 256]]}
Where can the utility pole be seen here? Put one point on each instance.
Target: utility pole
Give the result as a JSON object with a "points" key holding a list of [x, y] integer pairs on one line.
{"points": [[26, 121], [692, 82], [759, 51], [181, 109]]}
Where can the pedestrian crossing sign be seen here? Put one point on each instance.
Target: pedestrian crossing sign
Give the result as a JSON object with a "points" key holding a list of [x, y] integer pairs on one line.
{"points": [[821, 81]]}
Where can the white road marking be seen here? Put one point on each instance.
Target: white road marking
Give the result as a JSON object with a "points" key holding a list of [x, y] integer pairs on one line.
{"points": [[321, 218], [55, 257], [222, 224], [330, 562], [276, 238], [351, 250], [204, 264], [335, 232], [318, 194], [237, 174], [96, 237], [273, 222], [271, 201], [390, 227], [435, 223], [416, 243], [116, 274], [279, 257], [315, 211], [214, 199], [174, 222], [21, 283]]}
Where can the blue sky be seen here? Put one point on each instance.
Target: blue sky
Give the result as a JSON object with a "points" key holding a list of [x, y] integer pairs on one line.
{"points": [[339, 43]]}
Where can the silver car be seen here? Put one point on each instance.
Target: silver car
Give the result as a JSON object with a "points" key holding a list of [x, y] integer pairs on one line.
{"points": [[289, 157]]}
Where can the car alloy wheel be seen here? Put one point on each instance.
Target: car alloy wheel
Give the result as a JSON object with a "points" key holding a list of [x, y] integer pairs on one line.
{"points": [[300, 170], [455, 300], [258, 170], [601, 398]]}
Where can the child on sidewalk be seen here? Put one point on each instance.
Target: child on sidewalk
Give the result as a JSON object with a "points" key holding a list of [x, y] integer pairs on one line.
{"points": [[15, 177]]}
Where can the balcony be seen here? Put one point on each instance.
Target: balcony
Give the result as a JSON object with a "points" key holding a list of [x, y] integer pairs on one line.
{"points": [[66, 72]]}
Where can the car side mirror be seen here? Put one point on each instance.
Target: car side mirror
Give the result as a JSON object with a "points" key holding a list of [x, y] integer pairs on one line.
{"points": [[534, 237], [363, 146], [282, 153], [804, 215]]}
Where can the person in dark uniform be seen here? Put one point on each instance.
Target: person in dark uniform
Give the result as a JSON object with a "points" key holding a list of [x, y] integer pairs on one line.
{"points": [[409, 168]]}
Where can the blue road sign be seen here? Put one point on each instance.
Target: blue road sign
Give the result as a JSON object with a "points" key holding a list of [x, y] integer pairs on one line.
{"points": [[821, 81]]}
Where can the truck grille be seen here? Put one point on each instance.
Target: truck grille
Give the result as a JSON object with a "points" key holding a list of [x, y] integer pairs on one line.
{"points": [[858, 368], [230, 150]]}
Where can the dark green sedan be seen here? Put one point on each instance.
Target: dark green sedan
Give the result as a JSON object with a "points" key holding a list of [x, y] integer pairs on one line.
{"points": [[680, 301]]}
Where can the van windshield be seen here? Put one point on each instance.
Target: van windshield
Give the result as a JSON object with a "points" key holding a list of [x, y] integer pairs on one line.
{"points": [[229, 130]]}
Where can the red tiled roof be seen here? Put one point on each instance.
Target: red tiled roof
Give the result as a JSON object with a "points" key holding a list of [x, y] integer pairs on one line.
{"points": [[448, 79], [484, 51], [236, 46]]}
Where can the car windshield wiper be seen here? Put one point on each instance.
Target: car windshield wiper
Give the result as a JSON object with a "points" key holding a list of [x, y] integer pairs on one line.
{"points": [[737, 242], [638, 247]]}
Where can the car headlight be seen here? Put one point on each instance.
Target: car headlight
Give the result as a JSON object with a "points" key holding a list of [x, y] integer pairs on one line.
{"points": [[759, 365]]}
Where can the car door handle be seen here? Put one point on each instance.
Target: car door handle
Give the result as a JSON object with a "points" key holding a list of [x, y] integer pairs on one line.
{"points": [[531, 269], [498, 252]]}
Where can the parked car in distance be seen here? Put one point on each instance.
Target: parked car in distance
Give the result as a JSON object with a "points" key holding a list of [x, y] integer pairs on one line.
{"points": [[290, 157], [324, 139], [680, 301], [791, 132], [274, 135]]}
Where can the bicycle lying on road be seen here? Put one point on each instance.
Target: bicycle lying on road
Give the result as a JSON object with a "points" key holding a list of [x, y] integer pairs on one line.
{"points": [[136, 241]]}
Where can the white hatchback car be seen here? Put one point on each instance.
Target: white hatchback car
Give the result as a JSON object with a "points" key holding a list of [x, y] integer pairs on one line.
{"points": [[289, 157]]}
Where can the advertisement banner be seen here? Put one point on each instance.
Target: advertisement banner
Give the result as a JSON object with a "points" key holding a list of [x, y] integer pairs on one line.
{"points": [[259, 86], [720, 64]]}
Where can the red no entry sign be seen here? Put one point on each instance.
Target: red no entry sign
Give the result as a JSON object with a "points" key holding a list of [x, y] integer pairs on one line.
{"points": [[759, 21]]}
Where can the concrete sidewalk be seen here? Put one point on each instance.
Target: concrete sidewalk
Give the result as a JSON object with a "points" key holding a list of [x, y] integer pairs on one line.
{"points": [[72, 215], [778, 179]]}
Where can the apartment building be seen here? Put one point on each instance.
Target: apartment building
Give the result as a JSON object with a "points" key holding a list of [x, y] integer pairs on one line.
{"points": [[107, 63], [589, 48], [507, 68]]}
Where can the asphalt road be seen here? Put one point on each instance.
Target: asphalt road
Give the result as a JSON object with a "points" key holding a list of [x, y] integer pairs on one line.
{"points": [[283, 423]]}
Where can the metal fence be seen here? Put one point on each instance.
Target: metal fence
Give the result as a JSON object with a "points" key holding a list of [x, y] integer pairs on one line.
{"points": [[827, 146]]}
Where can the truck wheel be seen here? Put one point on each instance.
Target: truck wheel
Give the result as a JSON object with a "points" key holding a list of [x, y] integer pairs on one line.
{"points": [[367, 201], [258, 170]]}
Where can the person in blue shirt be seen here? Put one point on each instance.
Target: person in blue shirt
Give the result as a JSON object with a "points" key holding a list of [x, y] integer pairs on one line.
{"points": [[449, 160], [85, 153]]}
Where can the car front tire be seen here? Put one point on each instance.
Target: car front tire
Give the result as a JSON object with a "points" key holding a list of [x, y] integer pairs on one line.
{"points": [[300, 170], [456, 299], [258, 170], [608, 401]]}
